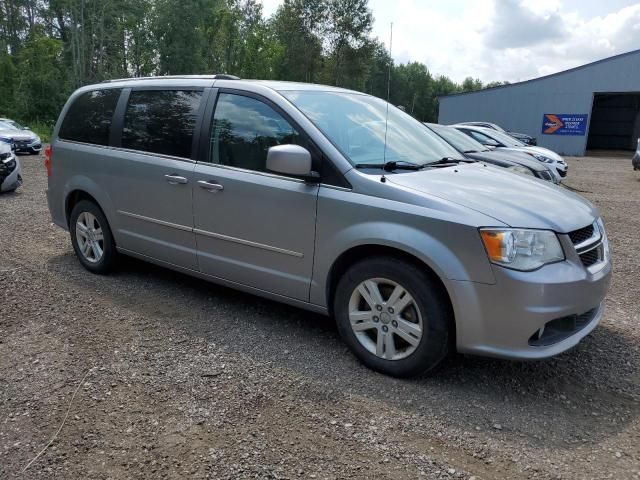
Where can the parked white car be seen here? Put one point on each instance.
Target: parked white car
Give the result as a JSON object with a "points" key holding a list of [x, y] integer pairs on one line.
{"points": [[24, 140], [10, 172], [496, 139], [636, 158]]}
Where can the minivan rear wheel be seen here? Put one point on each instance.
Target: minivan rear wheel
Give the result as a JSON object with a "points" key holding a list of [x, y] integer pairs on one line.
{"points": [[393, 317], [91, 237]]}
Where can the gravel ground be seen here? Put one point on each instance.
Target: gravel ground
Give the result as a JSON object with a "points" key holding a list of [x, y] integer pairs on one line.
{"points": [[174, 377]]}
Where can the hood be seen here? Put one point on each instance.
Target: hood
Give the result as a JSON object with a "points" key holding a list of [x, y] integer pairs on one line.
{"points": [[19, 134], [512, 157], [516, 200]]}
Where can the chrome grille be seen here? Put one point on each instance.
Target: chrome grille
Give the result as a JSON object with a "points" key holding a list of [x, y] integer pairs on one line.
{"points": [[589, 244], [579, 236]]}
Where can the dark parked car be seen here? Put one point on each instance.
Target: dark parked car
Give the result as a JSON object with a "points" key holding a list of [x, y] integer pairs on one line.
{"points": [[514, 161], [523, 137]]}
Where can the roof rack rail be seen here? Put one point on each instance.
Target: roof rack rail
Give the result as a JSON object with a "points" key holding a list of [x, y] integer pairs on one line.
{"points": [[217, 76]]}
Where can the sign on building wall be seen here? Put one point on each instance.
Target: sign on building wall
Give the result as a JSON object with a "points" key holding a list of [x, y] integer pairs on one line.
{"points": [[564, 123]]}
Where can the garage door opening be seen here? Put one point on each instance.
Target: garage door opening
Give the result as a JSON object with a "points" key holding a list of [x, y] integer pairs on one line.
{"points": [[615, 121]]}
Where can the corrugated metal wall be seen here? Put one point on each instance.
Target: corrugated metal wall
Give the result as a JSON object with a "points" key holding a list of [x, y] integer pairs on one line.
{"points": [[520, 107]]}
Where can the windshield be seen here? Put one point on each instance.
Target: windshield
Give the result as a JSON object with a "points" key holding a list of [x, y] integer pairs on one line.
{"points": [[7, 126], [459, 140], [505, 139], [15, 124], [355, 124]]}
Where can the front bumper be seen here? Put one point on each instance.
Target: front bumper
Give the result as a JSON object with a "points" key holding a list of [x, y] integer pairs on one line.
{"points": [[10, 179], [505, 319], [28, 146]]}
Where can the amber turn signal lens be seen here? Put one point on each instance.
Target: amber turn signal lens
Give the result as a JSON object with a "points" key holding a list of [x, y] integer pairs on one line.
{"points": [[494, 244]]}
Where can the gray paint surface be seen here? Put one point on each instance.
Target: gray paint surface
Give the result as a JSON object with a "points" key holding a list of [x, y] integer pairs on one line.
{"points": [[520, 107]]}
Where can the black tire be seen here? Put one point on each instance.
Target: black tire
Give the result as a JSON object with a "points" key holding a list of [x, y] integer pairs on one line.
{"points": [[430, 299], [108, 260]]}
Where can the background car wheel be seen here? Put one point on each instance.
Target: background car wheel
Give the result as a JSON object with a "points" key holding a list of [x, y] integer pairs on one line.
{"points": [[91, 237], [393, 316]]}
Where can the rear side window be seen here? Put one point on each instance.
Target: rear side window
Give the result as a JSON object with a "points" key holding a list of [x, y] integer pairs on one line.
{"points": [[88, 119], [161, 121]]}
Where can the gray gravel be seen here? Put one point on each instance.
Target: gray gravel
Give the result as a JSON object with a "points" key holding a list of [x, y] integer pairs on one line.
{"points": [[187, 378]]}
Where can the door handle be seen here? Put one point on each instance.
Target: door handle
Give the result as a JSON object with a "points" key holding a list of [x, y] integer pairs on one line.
{"points": [[174, 179], [211, 186]]}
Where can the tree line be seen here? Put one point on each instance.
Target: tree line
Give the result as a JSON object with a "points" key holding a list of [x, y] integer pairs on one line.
{"points": [[48, 48]]}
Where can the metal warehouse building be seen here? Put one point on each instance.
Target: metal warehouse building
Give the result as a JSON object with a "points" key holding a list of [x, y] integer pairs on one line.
{"points": [[595, 106]]}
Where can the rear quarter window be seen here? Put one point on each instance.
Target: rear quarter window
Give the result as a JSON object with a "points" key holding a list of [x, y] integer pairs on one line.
{"points": [[88, 120]]}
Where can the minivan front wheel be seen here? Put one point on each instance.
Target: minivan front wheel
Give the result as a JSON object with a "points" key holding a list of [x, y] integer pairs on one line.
{"points": [[91, 237], [392, 316]]}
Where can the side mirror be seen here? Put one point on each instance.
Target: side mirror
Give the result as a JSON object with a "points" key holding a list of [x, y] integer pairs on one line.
{"points": [[290, 160]]}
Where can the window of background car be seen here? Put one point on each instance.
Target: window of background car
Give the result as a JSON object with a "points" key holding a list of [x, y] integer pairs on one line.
{"points": [[462, 142], [244, 129], [358, 126], [507, 140], [89, 117], [482, 138], [161, 121]]}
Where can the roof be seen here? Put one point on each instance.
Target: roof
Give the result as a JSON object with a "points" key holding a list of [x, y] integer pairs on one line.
{"points": [[277, 85], [580, 67]]}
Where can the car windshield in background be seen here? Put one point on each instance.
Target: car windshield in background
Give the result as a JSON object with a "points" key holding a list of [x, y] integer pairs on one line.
{"points": [[462, 142], [7, 126], [505, 139], [356, 125]]}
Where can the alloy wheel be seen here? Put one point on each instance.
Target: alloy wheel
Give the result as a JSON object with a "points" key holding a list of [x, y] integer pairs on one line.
{"points": [[385, 318], [89, 237]]}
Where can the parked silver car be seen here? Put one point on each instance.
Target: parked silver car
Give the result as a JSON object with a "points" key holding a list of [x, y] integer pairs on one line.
{"points": [[523, 137], [333, 201], [495, 139], [24, 139], [517, 162], [10, 171]]}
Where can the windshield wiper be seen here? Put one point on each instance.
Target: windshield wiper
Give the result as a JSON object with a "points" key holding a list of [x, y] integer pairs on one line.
{"points": [[450, 161], [392, 165], [470, 151]]}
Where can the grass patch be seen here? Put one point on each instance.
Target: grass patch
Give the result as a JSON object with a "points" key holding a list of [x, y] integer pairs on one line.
{"points": [[42, 129]]}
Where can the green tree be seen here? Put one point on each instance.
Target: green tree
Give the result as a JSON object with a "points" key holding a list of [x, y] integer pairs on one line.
{"points": [[471, 85], [346, 33], [179, 29], [297, 29], [39, 75]]}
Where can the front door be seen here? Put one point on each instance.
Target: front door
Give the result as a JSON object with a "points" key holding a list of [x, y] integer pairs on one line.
{"points": [[253, 227]]}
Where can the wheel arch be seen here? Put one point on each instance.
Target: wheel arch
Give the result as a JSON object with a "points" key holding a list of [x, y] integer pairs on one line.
{"points": [[73, 198], [357, 253], [83, 188]]}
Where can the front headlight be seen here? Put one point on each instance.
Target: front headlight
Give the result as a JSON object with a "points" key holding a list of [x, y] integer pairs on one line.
{"points": [[519, 249], [541, 158], [605, 239], [520, 169]]}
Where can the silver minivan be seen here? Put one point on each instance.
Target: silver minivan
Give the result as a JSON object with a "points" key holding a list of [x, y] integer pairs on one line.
{"points": [[333, 201]]}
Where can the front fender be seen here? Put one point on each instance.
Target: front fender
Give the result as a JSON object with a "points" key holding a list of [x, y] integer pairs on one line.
{"points": [[452, 251]]}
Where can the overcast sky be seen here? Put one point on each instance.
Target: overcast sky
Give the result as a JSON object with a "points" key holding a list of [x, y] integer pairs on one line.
{"points": [[503, 39]]}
